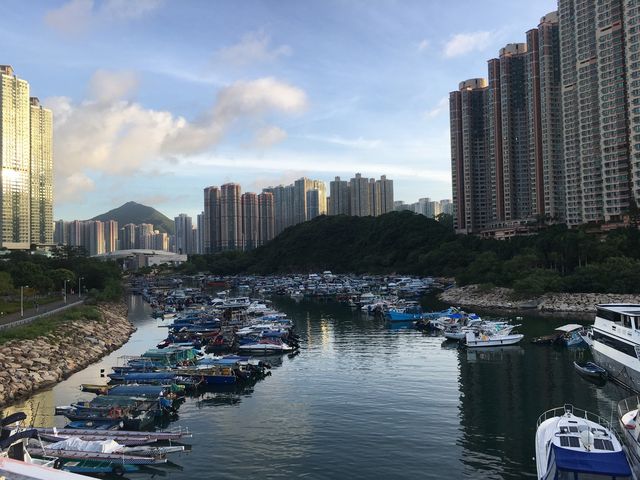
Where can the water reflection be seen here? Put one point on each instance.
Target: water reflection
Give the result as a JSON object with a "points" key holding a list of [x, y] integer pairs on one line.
{"points": [[364, 400]]}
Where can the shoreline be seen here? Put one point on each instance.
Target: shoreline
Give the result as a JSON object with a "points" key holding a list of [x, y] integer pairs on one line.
{"points": [[503, 299], [28, 366]]}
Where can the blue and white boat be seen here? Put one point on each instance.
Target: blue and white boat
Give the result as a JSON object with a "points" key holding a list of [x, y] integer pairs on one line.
{"points": [[574, 444], [408, 314]]}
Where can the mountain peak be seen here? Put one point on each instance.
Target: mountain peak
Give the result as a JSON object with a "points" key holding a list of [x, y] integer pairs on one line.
{"points": [[133, 212]]}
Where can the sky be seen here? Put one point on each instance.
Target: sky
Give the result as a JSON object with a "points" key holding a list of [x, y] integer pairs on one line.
{"points": [[153, 100]]}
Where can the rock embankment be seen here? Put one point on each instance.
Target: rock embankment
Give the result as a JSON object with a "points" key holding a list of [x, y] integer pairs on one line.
{"points": [[29, 365], [504, 298]]}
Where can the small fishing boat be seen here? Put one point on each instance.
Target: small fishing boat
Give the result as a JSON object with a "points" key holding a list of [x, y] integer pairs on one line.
{"points": [[591, 371], [480, 339], [573, 444], [568, 335], [265, 347]]}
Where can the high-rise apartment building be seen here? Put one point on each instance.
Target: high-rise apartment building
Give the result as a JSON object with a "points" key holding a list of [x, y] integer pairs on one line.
{"points": [[339, 199], [184, 225], [561, 114], [360, 198], [250, 221], [631, 14], [110, 236], [300, 189], [41, 172], [230, 217], [95, 236], [551, 124], [211, 221], [470, 158], [144, 233], [384, 191], [127, 237], [267, 217], [15, 160], [60, 233], [26, 161]]}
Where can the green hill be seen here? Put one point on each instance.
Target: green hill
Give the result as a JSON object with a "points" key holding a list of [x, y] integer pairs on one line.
{"points": [[393, 242], [557, 259], [132, 212]]}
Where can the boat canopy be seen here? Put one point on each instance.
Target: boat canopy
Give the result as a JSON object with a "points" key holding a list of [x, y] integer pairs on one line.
{"points": [[610, 463], [571, 327]]}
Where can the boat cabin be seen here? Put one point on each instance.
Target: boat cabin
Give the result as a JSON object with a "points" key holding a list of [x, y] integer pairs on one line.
{"points": [[578, 445]]}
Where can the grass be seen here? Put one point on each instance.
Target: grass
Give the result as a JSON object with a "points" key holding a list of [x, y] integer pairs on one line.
{"points": [[46, 325], [7, 307]]}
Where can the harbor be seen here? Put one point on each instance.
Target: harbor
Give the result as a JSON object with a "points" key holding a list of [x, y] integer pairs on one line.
{"points": [[359, 384]]}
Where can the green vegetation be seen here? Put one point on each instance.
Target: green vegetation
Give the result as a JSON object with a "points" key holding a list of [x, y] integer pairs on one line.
{"points": [[132, 212], [43, 278], [46, 325], [557, 259]]}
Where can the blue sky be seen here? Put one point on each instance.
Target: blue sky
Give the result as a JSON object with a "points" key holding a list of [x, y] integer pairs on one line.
{"points": [[156, 99]]}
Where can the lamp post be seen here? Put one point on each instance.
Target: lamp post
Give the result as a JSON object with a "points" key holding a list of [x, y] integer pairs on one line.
{"points": [[80, 287], [65, 291], [22, 300]]}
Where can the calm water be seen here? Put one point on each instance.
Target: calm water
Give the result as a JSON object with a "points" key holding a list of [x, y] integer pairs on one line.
{"points": [[363, 400]]}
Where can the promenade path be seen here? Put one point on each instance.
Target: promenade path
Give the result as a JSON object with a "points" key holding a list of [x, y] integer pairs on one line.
{"points": [[31, 312]]}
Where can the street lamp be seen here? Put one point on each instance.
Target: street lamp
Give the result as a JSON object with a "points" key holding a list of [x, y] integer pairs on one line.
{"points": [[22, 300], [80, 287], [65, 290]]}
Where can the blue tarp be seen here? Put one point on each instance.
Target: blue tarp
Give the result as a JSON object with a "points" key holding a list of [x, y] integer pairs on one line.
{"points": [[610, 463]]}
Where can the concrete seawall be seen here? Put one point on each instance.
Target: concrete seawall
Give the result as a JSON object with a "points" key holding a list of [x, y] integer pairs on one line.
{"points": [[30, 365], [503, 298]]}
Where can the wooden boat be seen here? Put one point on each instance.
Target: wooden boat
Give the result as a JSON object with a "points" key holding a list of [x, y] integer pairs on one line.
{"points": [[591, 371]]}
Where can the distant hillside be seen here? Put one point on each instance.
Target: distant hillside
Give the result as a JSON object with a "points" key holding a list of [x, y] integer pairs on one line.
{"points": [[132, 212], [395, 242]]}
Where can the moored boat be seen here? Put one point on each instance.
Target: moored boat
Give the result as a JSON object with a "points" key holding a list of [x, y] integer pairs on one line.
{"points": [[575, 444], [481, 339], [591, 371], [615, 342]]}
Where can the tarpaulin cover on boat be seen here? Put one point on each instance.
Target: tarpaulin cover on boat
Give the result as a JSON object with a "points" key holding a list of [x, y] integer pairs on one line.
{"points": [[77, 444], [610, 463]]}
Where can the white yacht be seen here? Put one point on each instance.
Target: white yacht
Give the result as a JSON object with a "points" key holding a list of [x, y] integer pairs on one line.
{"points": [[578, 445], [629, 418], [615, 342]]}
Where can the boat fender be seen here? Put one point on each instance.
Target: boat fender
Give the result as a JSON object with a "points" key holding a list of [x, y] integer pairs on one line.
{"points": [[57, 464], [118, 470], [631, 425]]}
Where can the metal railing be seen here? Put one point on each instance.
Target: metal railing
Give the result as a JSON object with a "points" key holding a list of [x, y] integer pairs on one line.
{"points": [[25, 321], [576, 412]]}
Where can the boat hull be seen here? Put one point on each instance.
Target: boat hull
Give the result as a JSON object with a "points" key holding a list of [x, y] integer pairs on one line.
{"points": [[618, 371], [495, 342]]}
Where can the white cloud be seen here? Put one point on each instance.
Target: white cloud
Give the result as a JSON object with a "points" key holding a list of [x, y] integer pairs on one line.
{"points": [[347, 142], [128, 9], [424, 45], [71, 18], [463, 43], [107, 86], [268, 136], [106, 134], [77, 16], [313, 163], [72, 185], [253, 48], [441, 107]]}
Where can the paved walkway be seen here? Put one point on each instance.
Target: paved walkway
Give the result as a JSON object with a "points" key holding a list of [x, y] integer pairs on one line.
{"points": [[30, 311]]}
